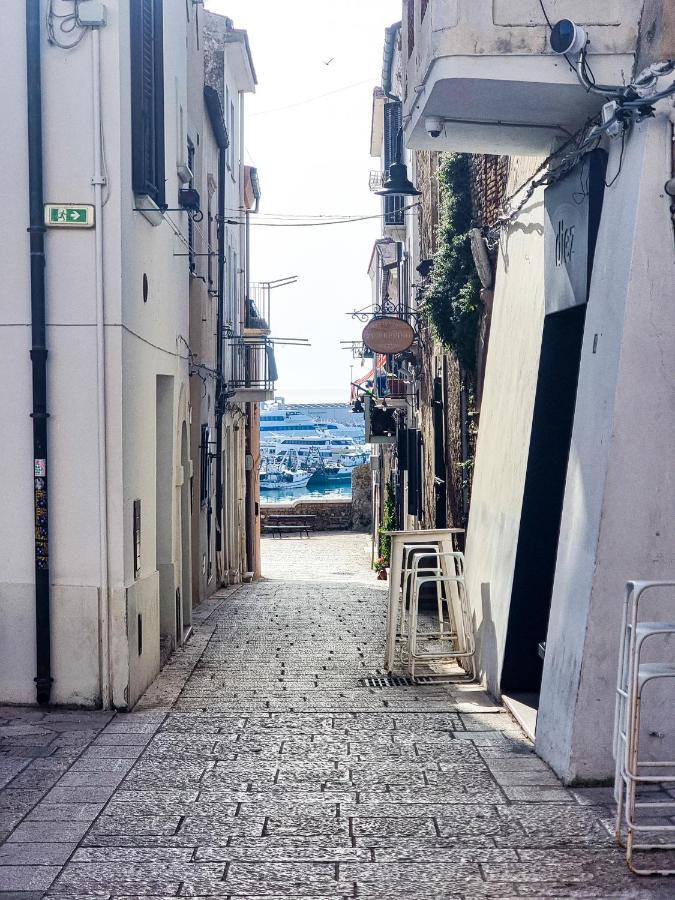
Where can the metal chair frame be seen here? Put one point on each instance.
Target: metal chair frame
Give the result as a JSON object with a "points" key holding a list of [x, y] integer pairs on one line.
{"points": [[632, 677], [459, 618]]}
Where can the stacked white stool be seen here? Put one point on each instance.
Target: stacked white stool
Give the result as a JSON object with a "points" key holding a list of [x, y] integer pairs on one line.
{"points": [[631, 771], [451, 640]]}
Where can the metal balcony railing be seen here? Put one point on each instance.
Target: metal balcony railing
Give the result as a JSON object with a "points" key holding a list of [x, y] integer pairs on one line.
{"points": [[390, 387], [375, 180], [252, 367]]}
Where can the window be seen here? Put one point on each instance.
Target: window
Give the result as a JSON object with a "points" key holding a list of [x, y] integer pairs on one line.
{"points": [[137, 538], [235, 288], [147, 100], [232, 136], [423, 12], [204, 466], [411, 27], [393, 121], [228, 152], [209, 240]]}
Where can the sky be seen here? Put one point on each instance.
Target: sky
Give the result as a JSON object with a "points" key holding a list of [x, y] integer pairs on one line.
{"points": [[308, 134]]}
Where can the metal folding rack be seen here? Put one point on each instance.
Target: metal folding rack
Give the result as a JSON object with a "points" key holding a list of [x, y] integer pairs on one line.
{"points": [[631, 772]]}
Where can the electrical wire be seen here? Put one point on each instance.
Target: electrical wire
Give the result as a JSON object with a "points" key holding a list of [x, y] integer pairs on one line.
{"points": [[347, 87], [68, 23], [349, 221], [608, 184], [236, 210], [566, 156]]}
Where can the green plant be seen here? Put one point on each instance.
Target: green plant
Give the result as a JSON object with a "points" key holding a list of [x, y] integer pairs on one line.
{"points": [[388, 524], [452, 300], [380, 564]]}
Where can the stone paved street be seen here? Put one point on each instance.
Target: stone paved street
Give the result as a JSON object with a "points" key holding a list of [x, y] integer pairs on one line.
{"points": [[259, 765]]}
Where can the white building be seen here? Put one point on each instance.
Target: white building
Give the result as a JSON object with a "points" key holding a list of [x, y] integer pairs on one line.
{"points": [[572, 491], [125, 385]]}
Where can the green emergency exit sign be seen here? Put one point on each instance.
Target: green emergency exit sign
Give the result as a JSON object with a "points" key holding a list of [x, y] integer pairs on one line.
{"points": [[69, 215]]}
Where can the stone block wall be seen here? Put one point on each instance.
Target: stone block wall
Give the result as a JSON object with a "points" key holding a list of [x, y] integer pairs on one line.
{"points": [[331, 514], [362, 498]]}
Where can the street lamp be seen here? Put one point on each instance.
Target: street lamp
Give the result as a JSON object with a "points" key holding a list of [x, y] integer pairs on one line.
{"points": [[397, 182]]}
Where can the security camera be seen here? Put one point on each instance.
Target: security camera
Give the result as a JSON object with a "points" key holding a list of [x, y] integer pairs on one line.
{"points": [[434, 125], [566, 37]]}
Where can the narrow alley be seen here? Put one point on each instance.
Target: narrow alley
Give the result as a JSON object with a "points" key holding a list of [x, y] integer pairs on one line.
{"points": [[260, 764]]}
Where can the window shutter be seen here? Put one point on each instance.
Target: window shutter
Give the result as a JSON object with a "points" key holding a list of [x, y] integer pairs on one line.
{"points": [[393, 120], [412, 471], [147, 99]]}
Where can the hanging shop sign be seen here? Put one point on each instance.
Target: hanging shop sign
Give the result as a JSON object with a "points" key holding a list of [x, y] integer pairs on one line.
{"points": [[572, 211], [388, 334]]}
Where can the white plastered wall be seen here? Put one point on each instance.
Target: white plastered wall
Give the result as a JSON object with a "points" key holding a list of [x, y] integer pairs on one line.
{"points": [[504, 428], [619, 513]]}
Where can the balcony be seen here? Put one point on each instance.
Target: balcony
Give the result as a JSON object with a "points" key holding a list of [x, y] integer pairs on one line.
{"points": [[251, 369], [395, 391], [257, 321], [485, 67]]}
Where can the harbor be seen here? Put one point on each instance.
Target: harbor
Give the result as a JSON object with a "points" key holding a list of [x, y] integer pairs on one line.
{"points": [[309, 451]]}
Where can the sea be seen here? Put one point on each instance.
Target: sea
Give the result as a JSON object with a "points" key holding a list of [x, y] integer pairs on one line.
{"points": [[339, 490]]}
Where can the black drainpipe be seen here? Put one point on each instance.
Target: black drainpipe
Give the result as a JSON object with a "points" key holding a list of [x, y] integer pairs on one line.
{"points": [[220, 398], [215, 111], [38, 352]]}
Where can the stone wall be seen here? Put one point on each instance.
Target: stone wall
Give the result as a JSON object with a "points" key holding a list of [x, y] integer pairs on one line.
{"points": [[362, 498], [331, 514]]}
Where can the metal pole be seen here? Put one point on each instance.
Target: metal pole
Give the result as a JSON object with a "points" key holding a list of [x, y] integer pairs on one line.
{"points": [[98, 181], [38, 353]]}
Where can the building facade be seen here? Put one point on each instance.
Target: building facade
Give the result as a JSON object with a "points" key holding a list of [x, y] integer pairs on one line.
{"points": [[571, 491], [119, 520]]}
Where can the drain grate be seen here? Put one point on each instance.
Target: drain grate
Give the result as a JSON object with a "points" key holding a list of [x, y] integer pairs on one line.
{"points": [[395, 681]]}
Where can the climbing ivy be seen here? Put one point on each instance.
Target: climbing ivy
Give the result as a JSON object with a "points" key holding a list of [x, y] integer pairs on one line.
{"points": [[451, 303], [388, 523]]}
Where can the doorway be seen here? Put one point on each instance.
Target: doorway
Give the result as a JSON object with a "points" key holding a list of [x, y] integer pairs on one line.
{"points": [[164, 478], [185, 611], [541, 512]]}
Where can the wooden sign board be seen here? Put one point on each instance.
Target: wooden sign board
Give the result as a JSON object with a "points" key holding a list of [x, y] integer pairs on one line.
{"points": [[388, 334]]}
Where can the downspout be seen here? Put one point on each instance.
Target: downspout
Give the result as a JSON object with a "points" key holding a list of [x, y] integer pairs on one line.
{"points": [[98, 181], [220, 400], [390, 37], [215, 111], [38, 353], [250, 499]]}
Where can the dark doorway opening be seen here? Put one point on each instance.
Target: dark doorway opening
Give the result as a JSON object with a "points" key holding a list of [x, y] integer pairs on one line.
{"points": [[440, 462], [543, 499]]}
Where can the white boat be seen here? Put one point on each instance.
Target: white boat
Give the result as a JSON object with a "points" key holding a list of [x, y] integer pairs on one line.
{"points": [[278, 419], [274, 479]]}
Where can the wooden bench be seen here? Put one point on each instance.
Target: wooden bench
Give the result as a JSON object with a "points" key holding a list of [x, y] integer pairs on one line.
{"points": [[280, 524]]}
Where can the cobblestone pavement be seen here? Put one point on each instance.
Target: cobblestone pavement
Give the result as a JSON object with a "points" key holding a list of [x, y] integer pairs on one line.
{"points": [[258, 765]]}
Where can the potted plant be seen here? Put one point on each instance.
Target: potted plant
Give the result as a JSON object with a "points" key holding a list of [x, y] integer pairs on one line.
{"points": [[380, 566]]}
